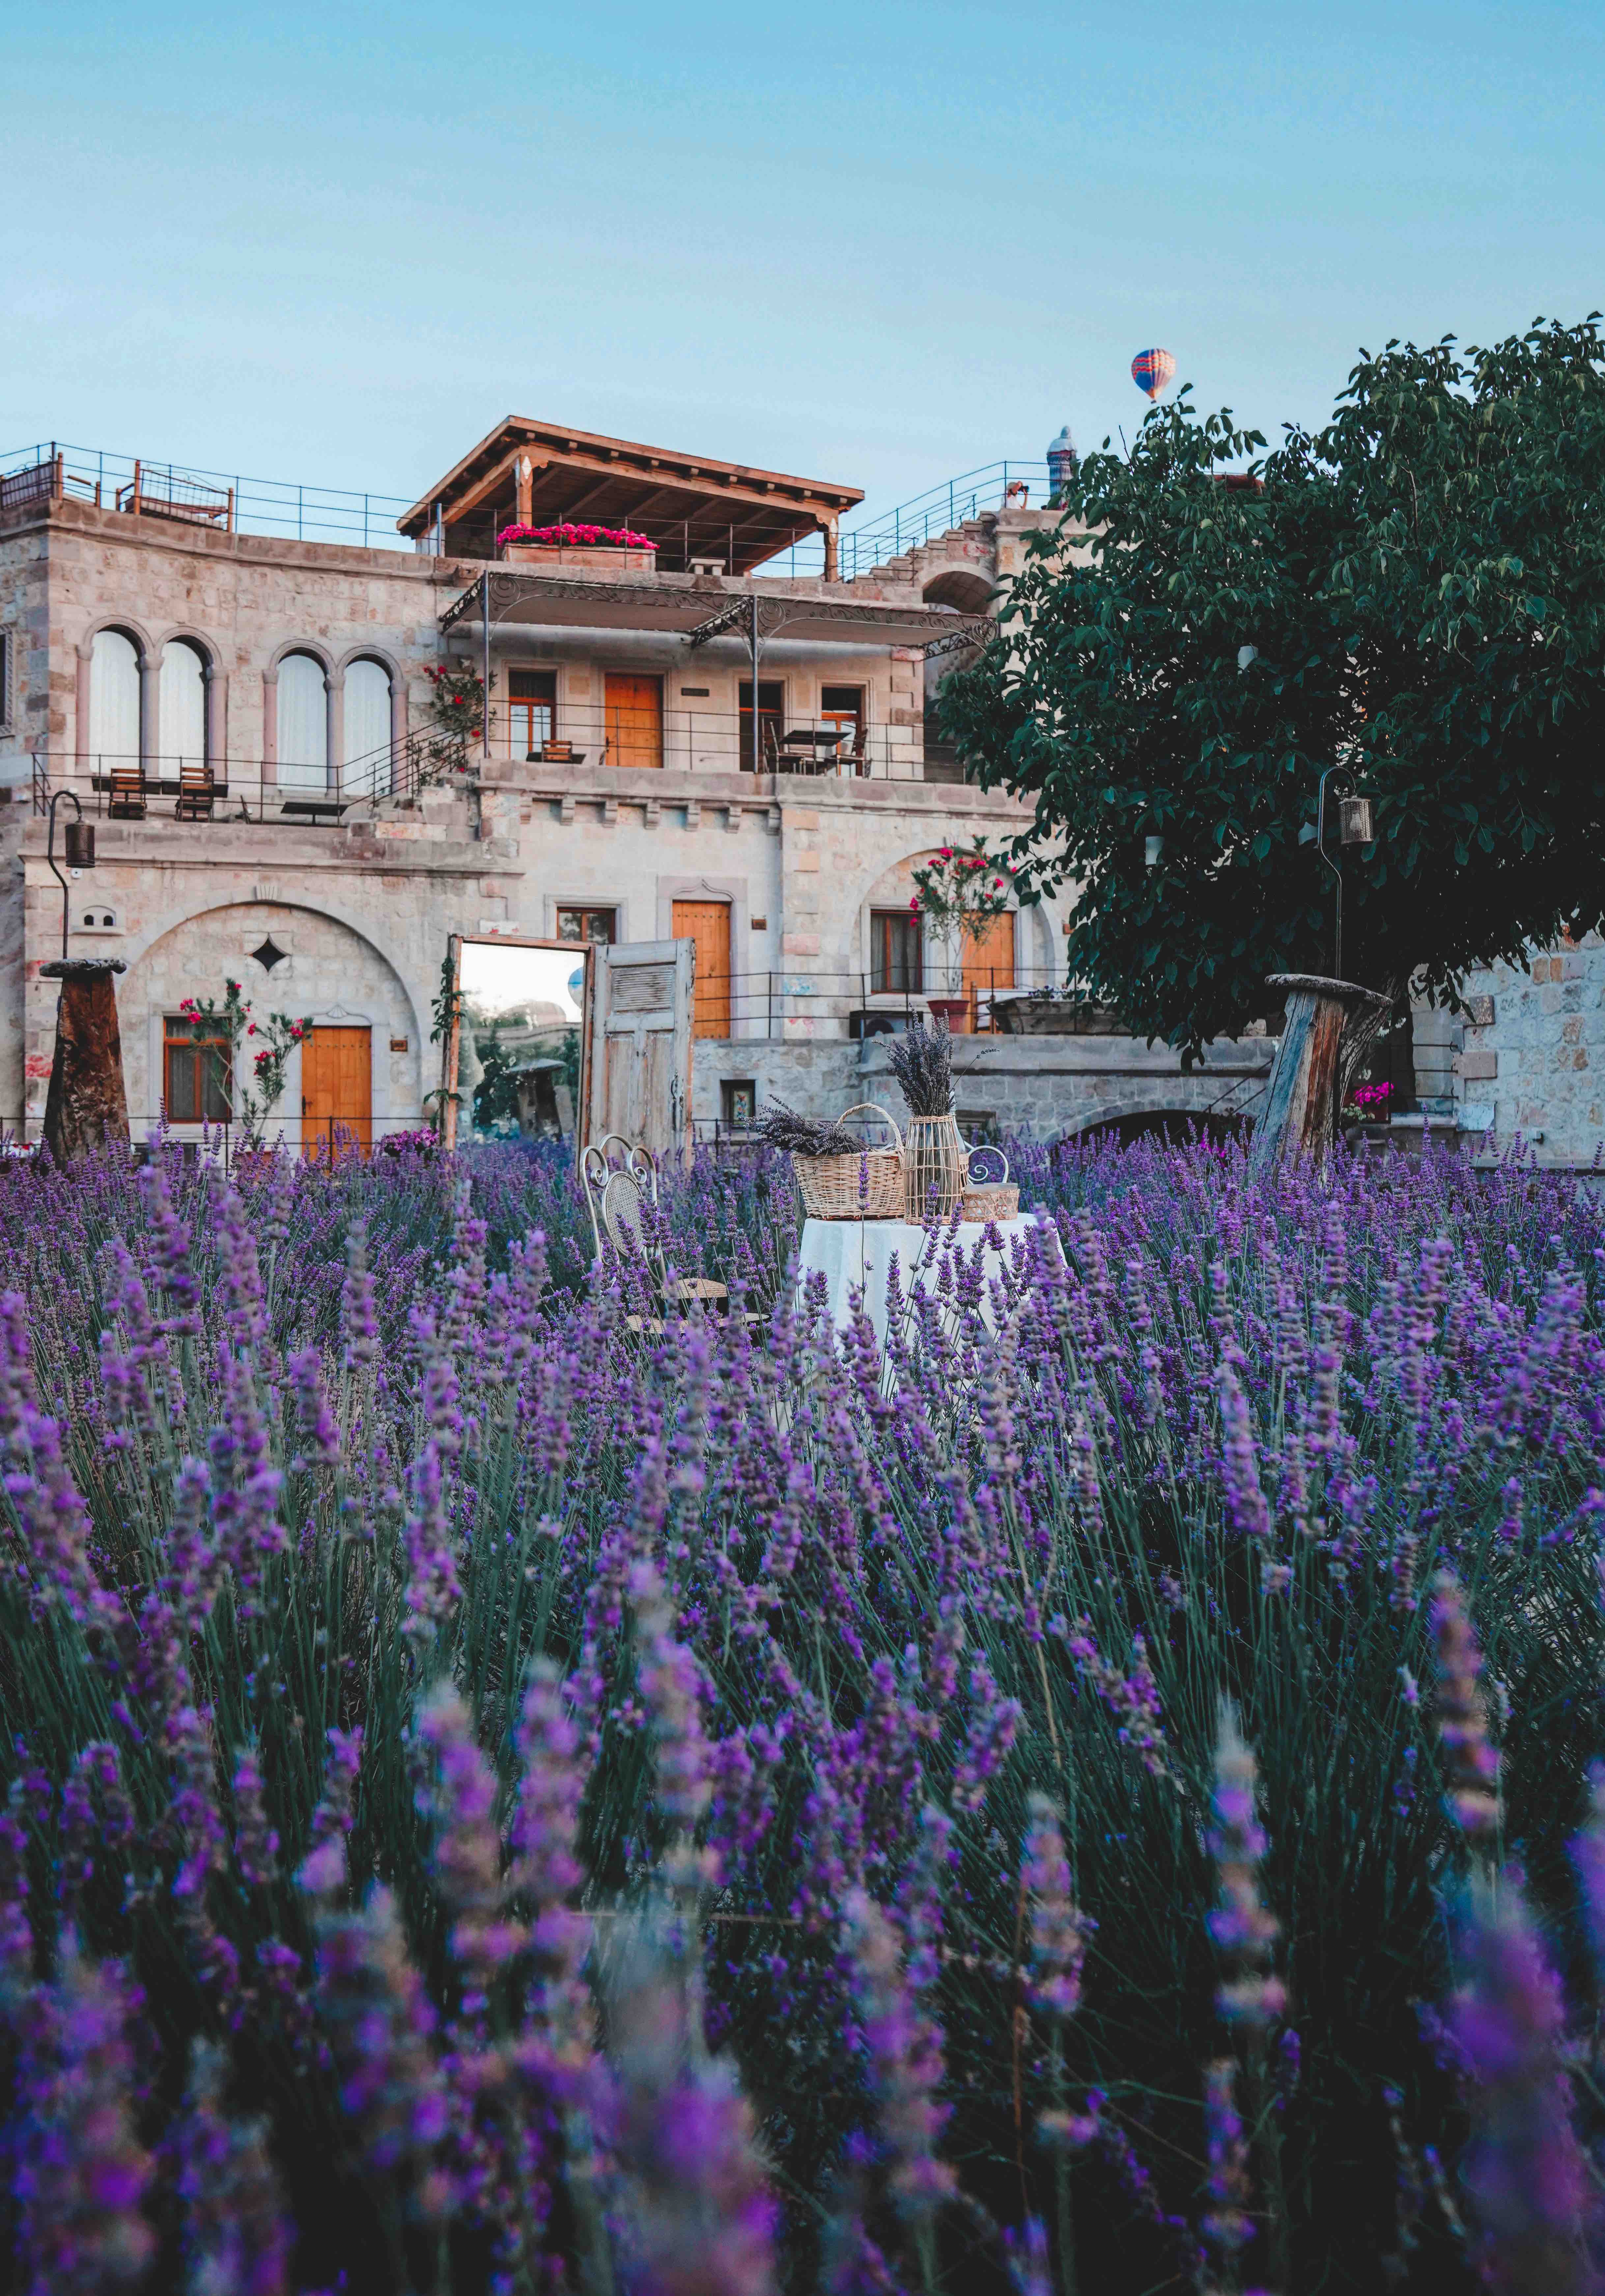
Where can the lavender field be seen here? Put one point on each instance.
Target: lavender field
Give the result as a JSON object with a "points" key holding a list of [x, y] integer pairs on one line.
{"points": [[500, 1799]]}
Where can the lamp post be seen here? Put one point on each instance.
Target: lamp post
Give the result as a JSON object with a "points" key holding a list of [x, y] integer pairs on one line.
{"points": [[1354, 828], [79, 840]]}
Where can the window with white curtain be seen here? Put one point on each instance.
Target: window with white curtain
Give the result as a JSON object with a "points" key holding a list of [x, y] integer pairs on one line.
{"points": [[367, 730], [113, 700], [182, 736], [303, 724]]}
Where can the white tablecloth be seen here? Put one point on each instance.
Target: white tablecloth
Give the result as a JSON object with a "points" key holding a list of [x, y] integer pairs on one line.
{"points": [[856, 1255]]}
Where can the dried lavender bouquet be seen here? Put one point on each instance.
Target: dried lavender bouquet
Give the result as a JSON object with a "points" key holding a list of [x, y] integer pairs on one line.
{"points": [[921, 1060], [780, 1126]]}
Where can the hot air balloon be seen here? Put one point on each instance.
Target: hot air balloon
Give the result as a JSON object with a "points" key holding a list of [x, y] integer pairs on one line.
{"points": [[1151, 371]]}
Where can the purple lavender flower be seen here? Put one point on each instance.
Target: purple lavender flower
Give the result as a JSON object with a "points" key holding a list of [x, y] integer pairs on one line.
{"points": [[80, 2174], [1526, 2174], [380, 2028], [993, 1725], [1462, 1726], [237, 2239], [1059, 1931], [903, 2053], [1225, 2222], [1243, 1928], [699, 2218]]}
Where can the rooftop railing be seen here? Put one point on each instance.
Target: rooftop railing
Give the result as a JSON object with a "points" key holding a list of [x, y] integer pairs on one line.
{"points": [[233, 501], [124, 785], [228, 502]]}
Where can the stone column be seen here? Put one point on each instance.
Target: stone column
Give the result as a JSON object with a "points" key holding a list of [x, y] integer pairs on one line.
{"points": [[1300, 1113], [86, 1106]]}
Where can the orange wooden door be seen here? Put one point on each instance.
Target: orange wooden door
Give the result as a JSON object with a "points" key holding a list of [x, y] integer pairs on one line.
{"points": [[337, 1090], [989, 957], [707, 923], [634, 716]]}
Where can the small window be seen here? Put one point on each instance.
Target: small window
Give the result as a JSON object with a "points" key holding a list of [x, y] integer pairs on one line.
{"points": [[897, 966], [197, 1082], [6, 678], [98, 919], [738, 1102], [841, 710], [771, 722], [532, 709], [587, 924]]}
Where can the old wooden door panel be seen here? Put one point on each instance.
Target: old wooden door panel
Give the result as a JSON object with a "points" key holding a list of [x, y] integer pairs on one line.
{"points": [[634, 719], [337, 1088], [708, 924], [639, 1081], [989, 956]]}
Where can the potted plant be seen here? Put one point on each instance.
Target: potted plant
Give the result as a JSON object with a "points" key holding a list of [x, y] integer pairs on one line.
{"points": [[959, 894], [613, 547]]}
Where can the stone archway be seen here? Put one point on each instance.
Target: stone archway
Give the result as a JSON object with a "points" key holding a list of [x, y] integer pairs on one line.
{"points": [[287, 958]]}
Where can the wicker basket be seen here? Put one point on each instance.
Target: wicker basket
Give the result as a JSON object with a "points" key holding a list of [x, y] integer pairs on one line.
{"points": [[987, 1199], [865, 1186], [989, 1202]]}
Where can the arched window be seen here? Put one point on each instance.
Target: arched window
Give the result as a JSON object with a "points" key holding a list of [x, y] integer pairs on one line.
{"points": [[367, 730], [303, 722], [182, 739], [113, 700]]}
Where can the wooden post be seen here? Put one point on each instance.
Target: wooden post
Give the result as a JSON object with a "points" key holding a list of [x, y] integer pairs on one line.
{"points": [[86, 1106], [1301, 1114]]}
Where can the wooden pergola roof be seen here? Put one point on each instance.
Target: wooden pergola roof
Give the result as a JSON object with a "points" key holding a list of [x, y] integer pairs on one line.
{"points": [[690, 505]]}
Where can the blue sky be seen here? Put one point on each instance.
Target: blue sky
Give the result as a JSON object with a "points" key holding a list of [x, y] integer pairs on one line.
{"points": [[876, 242]]}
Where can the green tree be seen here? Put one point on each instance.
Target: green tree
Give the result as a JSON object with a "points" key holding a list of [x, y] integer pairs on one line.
{"points": [[1423, 584]]}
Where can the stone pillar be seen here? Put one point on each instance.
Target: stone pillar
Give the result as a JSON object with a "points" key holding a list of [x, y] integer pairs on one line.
{"points": [[828, 531], [86, 1106], [1300, 1113]]}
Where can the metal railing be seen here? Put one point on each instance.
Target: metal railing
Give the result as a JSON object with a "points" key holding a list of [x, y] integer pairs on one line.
{"points": [[712, 741], [116, 785], [804, 1003], [231, 502], [235, 503]]}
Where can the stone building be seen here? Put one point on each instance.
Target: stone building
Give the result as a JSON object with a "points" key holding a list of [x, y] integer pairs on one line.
{"points": [[689, 740]]}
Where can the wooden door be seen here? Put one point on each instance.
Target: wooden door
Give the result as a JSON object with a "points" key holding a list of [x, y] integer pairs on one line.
{"points": [[337, 1090], [639, 1080], [635, 720], [989, 957], [707, 923]]}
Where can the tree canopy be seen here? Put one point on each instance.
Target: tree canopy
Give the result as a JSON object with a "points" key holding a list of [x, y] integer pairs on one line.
{"points": [[1423, 583]]}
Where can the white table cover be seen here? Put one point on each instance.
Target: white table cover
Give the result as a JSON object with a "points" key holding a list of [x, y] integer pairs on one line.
{"points": [[856, 1256]]}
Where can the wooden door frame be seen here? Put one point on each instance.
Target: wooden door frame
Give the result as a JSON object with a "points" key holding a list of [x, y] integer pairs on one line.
{"points": [[452, 1039], [711, 901], [316, 1040]]}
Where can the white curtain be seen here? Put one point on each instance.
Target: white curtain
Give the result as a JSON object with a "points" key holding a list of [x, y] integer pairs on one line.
{"points": [[367, 730], [181, 739], [303, 724], [113, 700]]}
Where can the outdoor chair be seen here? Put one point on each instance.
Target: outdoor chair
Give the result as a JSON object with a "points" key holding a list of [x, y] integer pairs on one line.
{"points": [[126, 782], [616, 1195], [197, 791]]}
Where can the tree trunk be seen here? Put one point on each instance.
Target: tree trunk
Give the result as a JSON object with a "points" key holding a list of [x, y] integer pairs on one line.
{"points": [[86, 1106], [1329, 1024]]}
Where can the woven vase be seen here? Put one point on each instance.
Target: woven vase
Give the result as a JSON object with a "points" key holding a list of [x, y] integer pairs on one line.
{"points": [[934, 1158]]}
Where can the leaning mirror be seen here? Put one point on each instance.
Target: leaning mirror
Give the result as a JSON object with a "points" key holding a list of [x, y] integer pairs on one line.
{"points": [[516, 1040]]}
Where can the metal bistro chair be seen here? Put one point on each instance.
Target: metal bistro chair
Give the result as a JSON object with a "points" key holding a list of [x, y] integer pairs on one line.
{"points": [[615, 1196]]}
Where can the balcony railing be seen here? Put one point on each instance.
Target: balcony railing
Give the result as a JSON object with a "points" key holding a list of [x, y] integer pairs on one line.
{"points": [[117, 785], [688, 740], [808, 1004]]}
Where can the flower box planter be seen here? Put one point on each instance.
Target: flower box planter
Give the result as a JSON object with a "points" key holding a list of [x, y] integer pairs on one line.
{"points": [[955, 1011], [605, 557], [1052, 1016]]}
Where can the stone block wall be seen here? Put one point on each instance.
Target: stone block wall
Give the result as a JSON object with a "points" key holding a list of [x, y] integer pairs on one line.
{"points": [[1530, 1063]]}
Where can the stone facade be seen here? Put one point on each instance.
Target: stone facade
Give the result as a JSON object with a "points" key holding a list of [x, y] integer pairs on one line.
{"points": [[357, 907], [1527, 1057]]}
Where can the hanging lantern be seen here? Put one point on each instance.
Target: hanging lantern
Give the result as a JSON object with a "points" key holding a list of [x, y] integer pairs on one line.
{"points": [[80, 844], [1353, 821]]}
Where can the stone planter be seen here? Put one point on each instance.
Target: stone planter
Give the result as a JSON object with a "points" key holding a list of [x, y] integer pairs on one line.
{"points": [[596, 557], [1050, 1016]]}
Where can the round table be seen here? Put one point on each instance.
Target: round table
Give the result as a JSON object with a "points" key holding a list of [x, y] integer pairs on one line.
{"points": [[855, 1256]]}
